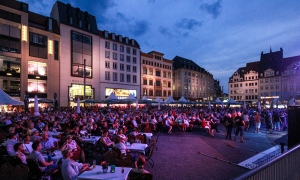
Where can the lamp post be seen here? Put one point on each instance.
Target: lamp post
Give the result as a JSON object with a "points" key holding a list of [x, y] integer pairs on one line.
{"points": [[84, 78]]}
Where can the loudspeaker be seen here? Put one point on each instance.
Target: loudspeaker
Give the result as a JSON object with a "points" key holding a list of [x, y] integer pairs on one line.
{"points": [[293, 126]]}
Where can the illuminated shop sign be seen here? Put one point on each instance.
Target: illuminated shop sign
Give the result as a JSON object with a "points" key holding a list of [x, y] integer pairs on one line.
{"points": [[119, 92]]}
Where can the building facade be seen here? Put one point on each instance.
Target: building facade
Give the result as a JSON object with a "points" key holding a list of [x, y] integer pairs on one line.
{"points": [[120, 70], [29, 52], [243, 84], [156, 79], [191, 81], [112, 62]]}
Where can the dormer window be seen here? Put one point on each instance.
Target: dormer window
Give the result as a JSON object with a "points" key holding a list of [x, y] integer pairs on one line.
{"points": [[132, 42], [113, 36], [80, 23], [120, 38], [89, 26], [126, 40], [105, 34], [71, 20]]}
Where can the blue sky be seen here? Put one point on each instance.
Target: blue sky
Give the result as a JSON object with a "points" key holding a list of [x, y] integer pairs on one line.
{"points": [[219, 35]]}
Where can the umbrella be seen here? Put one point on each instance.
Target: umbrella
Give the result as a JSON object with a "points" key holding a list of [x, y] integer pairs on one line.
{"points": [[5, 99], [89, 101], [137, 104], [36, 106], [222, 105], [244, 105], [258, 105], [78, 105], [209, 105]]}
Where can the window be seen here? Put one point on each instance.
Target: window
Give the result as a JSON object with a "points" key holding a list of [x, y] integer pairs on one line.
{"points": [[107, 64], [10, 38], [134, 60], [151, 82], [134, 51], [128, 78], [121, 57], [266, 87], [145, 71], [121, 48], [38, 45], [115, 56], [266, 80], [107, 75], [164, 74], [144, 81], [157, 83], [128, 50], [107, 54], [157, 73], [128, 59], [128, 68], [169, 84], [134, 78], [169, 76], [115, 76], [122, 77], [107, 44], [115, 66], [37, 68], [56, 50], [122, 67], [115, 46], [133, 68], [150, 71]]}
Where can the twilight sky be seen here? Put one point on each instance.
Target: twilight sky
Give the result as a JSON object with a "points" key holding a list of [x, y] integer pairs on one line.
{"points": [[219, 35]]}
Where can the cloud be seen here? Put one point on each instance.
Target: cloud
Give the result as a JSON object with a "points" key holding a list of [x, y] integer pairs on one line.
{"points": [[188, 24], [214, 9], [165, 31], [140, 28], [151, 1]]}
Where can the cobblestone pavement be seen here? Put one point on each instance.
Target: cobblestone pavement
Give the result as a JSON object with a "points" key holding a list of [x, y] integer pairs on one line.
{"points": [[196, 155]]}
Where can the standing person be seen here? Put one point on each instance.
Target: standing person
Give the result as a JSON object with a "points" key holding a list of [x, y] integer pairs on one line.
{"points": [[268, 120], [277, 121], [37, 155], [70, 169], [257, 122], [169, 124], [228, 125], [247, 122], [240, 123]]}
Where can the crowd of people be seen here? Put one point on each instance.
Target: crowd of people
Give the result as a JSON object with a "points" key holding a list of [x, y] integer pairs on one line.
{"points": [[27, 135]]}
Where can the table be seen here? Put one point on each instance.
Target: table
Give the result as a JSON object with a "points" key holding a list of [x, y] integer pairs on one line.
{"points": [[148, 135], [137, 147], [92, 140], [55, 158], [97, 173], [113, 131]]}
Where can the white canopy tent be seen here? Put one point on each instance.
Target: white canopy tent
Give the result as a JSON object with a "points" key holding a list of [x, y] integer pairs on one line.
{"points": [[182, 99], [5, 99], [218, 100]]}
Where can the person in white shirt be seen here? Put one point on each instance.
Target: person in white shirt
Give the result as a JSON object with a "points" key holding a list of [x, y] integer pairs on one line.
{"points": [[70, 169]]}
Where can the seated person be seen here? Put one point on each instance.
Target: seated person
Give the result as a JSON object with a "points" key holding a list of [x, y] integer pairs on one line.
{"points": [[106, 140], [70, 169], [37, 155], [121, 135], [140, 163], [48, 142], [120, 145], [31, 129], [71, 144], [19, 149], [27, 145], [9, 144], [56, 127], [96, 131], [35, 136]]}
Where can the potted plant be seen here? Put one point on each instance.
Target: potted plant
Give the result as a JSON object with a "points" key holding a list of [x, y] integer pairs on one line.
{"points": [[104, 166]]}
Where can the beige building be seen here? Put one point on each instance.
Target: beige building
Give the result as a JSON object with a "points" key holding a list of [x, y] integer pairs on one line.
{"points": [[243, 84], [29, 52], [191, 81], [156, 79]]}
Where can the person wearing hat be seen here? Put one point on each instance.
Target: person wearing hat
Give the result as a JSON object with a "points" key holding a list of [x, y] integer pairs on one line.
{"points": [[70, 169], [9, 144]]}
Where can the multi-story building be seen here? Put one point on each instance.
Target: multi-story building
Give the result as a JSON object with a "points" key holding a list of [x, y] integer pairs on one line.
{"points": [[29, 52], [120, 62], [243, 84], [156, 80], [269, 83], [111, 61], [290, 78], [191, 81]]}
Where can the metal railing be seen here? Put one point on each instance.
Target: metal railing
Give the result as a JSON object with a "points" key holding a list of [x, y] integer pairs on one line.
{"points": [[285, 166]]}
